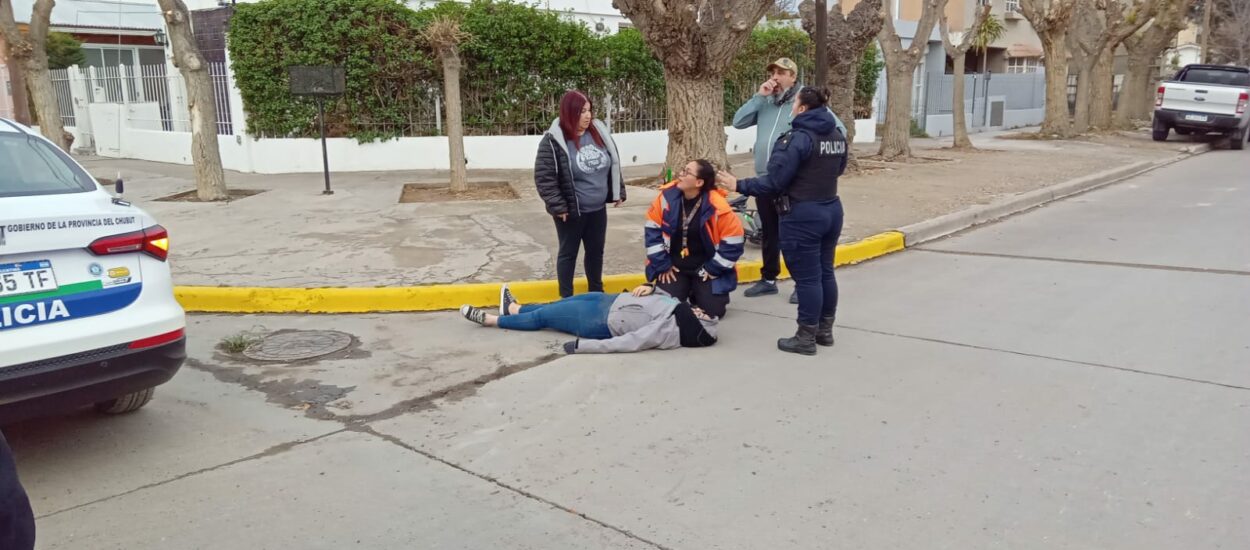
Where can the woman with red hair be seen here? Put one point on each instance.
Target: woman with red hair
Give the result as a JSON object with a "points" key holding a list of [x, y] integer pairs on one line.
{"points": [[578, 172]]}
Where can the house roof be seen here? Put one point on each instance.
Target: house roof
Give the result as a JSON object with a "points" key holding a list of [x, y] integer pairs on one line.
{"points": [[1023, 50]]}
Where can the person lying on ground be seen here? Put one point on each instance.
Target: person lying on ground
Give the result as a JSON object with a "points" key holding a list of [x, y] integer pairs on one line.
{"points": [[694, 239], [646, 318]]}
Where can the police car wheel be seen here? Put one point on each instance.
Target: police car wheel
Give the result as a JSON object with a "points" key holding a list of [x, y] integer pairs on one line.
{"points": [[126, 403]]}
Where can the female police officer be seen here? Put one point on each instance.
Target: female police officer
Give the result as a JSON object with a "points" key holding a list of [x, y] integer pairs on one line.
{"points": [[803, 172]]}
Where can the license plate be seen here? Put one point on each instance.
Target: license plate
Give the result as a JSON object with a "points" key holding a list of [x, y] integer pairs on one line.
{"points": [[1196, 118], [26, 278]]}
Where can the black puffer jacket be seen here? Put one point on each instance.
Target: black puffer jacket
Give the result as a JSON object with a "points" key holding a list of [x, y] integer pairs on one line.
{"points": [[553, 173]]}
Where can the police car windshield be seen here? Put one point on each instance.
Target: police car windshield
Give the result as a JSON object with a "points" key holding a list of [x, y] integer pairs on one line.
{"points": [[30, 166]]}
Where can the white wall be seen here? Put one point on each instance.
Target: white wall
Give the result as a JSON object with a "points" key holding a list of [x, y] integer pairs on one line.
{"points": [[943, 125], [277, 156]]}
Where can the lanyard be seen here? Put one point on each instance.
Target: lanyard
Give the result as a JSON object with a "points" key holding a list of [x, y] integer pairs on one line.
{"points": [[685, 225]]}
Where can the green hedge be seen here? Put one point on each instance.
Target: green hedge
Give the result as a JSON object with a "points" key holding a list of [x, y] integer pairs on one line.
{"points": [[517, 63], [376, 41]]}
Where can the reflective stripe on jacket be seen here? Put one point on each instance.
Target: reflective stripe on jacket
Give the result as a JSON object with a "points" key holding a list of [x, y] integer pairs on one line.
{"points": [[721, 232]]}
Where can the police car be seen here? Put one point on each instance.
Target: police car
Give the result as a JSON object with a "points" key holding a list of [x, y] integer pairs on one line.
{"points": [[87, 309]]}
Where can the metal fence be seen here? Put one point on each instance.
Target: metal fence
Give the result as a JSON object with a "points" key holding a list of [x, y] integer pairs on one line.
{"points": [[64, 96], [518, 108], [156, 86]]}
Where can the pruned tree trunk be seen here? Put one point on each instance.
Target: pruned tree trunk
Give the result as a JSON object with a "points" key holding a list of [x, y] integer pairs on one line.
{"points": [[1056, 121], [1102, 92], [29, 52], [455, 119], [958, 54], [696, 106], [443, 34], [896, 137], [696, 42], [900, 69], [848, 36], [210, 179], [1080, 116], [842, 94], [1137, 90], [1144, 49], [21, 102], [1050, 20], [1099, 27], [959, 116]]}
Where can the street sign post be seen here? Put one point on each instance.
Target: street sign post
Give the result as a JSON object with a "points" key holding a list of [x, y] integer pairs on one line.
{"points": [[319, 82]]}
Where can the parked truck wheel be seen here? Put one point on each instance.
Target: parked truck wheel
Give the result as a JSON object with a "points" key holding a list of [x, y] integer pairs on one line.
{"points": [[1159, 131]]}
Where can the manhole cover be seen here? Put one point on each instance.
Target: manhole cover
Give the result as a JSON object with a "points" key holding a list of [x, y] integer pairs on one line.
{"points": [[298, 345]]}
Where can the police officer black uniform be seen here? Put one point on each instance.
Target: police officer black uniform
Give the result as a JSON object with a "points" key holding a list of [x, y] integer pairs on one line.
{"points": [[803, 173]]}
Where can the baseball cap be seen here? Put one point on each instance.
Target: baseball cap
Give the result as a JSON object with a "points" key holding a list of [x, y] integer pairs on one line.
{"points": [[784, 63]]}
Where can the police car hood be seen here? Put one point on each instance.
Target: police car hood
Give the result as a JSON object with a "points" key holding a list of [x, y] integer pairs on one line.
{"points": [[817, 121]]}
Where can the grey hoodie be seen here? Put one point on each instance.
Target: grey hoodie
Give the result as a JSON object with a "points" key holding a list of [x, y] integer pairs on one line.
{"points": [[616, 182], [641, 323]]}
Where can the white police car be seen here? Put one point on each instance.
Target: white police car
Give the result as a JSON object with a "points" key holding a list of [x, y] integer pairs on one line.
{"points": [[87, 309]]}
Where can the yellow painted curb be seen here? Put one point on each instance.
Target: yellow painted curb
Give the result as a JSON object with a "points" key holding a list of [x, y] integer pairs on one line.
{"points": [[443, 297]]}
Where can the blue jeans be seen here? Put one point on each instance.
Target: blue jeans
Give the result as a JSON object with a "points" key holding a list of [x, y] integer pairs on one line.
{"points": [[809, 235], [583, 315]]}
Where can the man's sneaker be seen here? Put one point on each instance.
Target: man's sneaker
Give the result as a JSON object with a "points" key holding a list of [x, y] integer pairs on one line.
{"points": [[761, 288], [505, 301], [473, 314], [794, 297]]}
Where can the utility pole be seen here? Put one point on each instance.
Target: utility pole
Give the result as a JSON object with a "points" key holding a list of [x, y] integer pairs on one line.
{"points": [[1207, 8], [822, 44]]}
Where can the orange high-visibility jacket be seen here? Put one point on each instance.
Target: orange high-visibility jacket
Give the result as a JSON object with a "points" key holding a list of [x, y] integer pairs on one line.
{"points": [[721, 230]]}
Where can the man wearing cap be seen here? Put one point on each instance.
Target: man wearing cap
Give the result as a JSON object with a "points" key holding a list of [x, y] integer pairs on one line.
{"points": [[769, 111]]}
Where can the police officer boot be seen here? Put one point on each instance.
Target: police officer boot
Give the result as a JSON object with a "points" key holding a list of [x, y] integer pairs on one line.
{"points": [[803, 342], [824, 332]]}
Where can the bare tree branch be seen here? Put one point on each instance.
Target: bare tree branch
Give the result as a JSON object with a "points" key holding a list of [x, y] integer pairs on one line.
{"points": [[965, 43]]}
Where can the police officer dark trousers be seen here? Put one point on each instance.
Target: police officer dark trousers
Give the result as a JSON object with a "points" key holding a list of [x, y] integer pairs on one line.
{"points": [[803, 170]]}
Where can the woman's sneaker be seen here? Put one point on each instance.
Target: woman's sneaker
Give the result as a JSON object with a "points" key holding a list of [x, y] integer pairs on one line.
{"points": [[473, 314], [506, 299]]}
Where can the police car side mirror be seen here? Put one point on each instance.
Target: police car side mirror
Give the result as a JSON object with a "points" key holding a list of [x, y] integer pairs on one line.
{"points": [[119, 186]]}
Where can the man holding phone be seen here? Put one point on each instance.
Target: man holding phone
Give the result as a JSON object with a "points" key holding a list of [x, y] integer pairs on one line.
{"points": [[769, 110]]}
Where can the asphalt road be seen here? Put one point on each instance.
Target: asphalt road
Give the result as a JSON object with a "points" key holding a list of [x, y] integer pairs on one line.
{"points": [[1074, 377]]}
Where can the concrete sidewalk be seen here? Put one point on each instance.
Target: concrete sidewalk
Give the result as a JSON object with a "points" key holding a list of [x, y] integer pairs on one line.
{"points": [[290, 235], [1073, 377]]}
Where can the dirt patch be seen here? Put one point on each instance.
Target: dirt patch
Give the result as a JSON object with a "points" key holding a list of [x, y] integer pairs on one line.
{"points": [[190, 196], [489, 191], [875, 161]]}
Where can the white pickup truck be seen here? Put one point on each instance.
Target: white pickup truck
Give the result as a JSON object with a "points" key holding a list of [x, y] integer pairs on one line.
{"points": [[1204, 99]]}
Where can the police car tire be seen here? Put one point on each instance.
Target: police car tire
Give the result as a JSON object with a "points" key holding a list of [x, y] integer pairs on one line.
{"points": [[126, 403]]}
